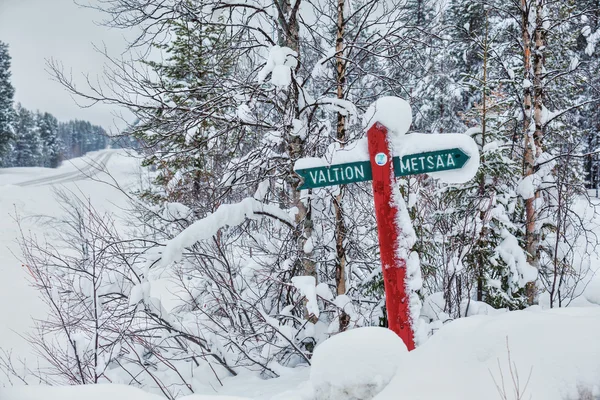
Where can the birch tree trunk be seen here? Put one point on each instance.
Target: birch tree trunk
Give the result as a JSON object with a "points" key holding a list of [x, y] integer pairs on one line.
{"points": [[530, 150], [289, 36], [535, 140], [484, 116], [340, 227]]}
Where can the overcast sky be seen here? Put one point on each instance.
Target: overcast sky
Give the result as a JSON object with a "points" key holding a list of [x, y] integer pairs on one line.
{"points": [[37, 30]]}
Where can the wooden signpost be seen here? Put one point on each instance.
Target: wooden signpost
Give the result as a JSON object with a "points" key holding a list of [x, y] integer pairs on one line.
{"points": [[382, 169]]}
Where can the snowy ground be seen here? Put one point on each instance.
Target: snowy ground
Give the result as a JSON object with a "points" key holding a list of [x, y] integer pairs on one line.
{"points": [[533, 354], [554, 354], [27, 193]]}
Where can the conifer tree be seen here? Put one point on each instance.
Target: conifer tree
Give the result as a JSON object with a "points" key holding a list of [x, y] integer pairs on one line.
{"points": [[75, 138], [48, 128], [27, 147], [6, 105], [186, 134]]}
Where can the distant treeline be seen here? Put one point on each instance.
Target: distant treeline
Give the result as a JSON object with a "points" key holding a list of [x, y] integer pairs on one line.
{"points": [[39, 140]]}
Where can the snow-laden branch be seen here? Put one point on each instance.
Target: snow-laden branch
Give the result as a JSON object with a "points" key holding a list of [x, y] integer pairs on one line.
{"points": [[549, 117], [280, 64], [226, 215], [591, 38]]}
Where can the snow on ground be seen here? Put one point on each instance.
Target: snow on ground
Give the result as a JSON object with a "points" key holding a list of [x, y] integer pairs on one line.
{"points": [[538, 354], [31, 175], [28, 194], [87, 392], [93, 392], [554, 354]]}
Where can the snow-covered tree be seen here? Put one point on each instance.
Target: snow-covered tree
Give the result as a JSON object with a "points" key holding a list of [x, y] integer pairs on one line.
{"points": [[48, 129], [6, 104], [27, 145], [78, 137]]}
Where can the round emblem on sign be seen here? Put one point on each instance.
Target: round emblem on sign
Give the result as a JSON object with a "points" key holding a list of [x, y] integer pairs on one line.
{"points": [[380, 159]]}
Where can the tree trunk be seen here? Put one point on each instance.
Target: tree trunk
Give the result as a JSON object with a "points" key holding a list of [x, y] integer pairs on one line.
{"points": [[530, 150], [481, 192], [340, 227], [289, 36], [538, 134]]}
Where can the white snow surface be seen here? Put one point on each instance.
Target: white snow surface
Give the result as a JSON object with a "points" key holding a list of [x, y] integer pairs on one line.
{"points": [[558, 347], [356, 365], [93, 392], [555, 354], [392, 112], [87, 392]]}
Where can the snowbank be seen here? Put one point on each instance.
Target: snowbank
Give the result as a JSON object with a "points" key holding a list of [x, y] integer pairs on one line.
{"points": [[357, 364], [87, 392], [555, 354], [93, 392], [549, 355]]}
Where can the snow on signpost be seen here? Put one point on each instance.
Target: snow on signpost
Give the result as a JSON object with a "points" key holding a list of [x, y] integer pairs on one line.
{"points": [[389, 154]]}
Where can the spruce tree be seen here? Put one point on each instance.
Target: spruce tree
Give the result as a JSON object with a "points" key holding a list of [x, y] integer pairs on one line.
{"points": [[189, 141], [27, 148], [48, 129], [6, 103]]}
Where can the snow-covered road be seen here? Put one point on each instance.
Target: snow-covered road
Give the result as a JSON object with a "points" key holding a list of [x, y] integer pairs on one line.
{"points": [[96, 164]]}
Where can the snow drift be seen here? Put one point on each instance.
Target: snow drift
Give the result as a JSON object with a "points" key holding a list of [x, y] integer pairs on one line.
{"points": [[550, 355], [538, 354], [357, 364]]}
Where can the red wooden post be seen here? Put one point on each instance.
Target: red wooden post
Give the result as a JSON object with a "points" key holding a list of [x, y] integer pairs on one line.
{"points": [[394, 268]]}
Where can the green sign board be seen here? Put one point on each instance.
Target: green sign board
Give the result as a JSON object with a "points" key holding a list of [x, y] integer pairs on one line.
{"points": [[410, 164]]}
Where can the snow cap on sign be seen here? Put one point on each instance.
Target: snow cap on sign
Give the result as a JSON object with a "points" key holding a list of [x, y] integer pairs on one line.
{"points": [[392, 112]]}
